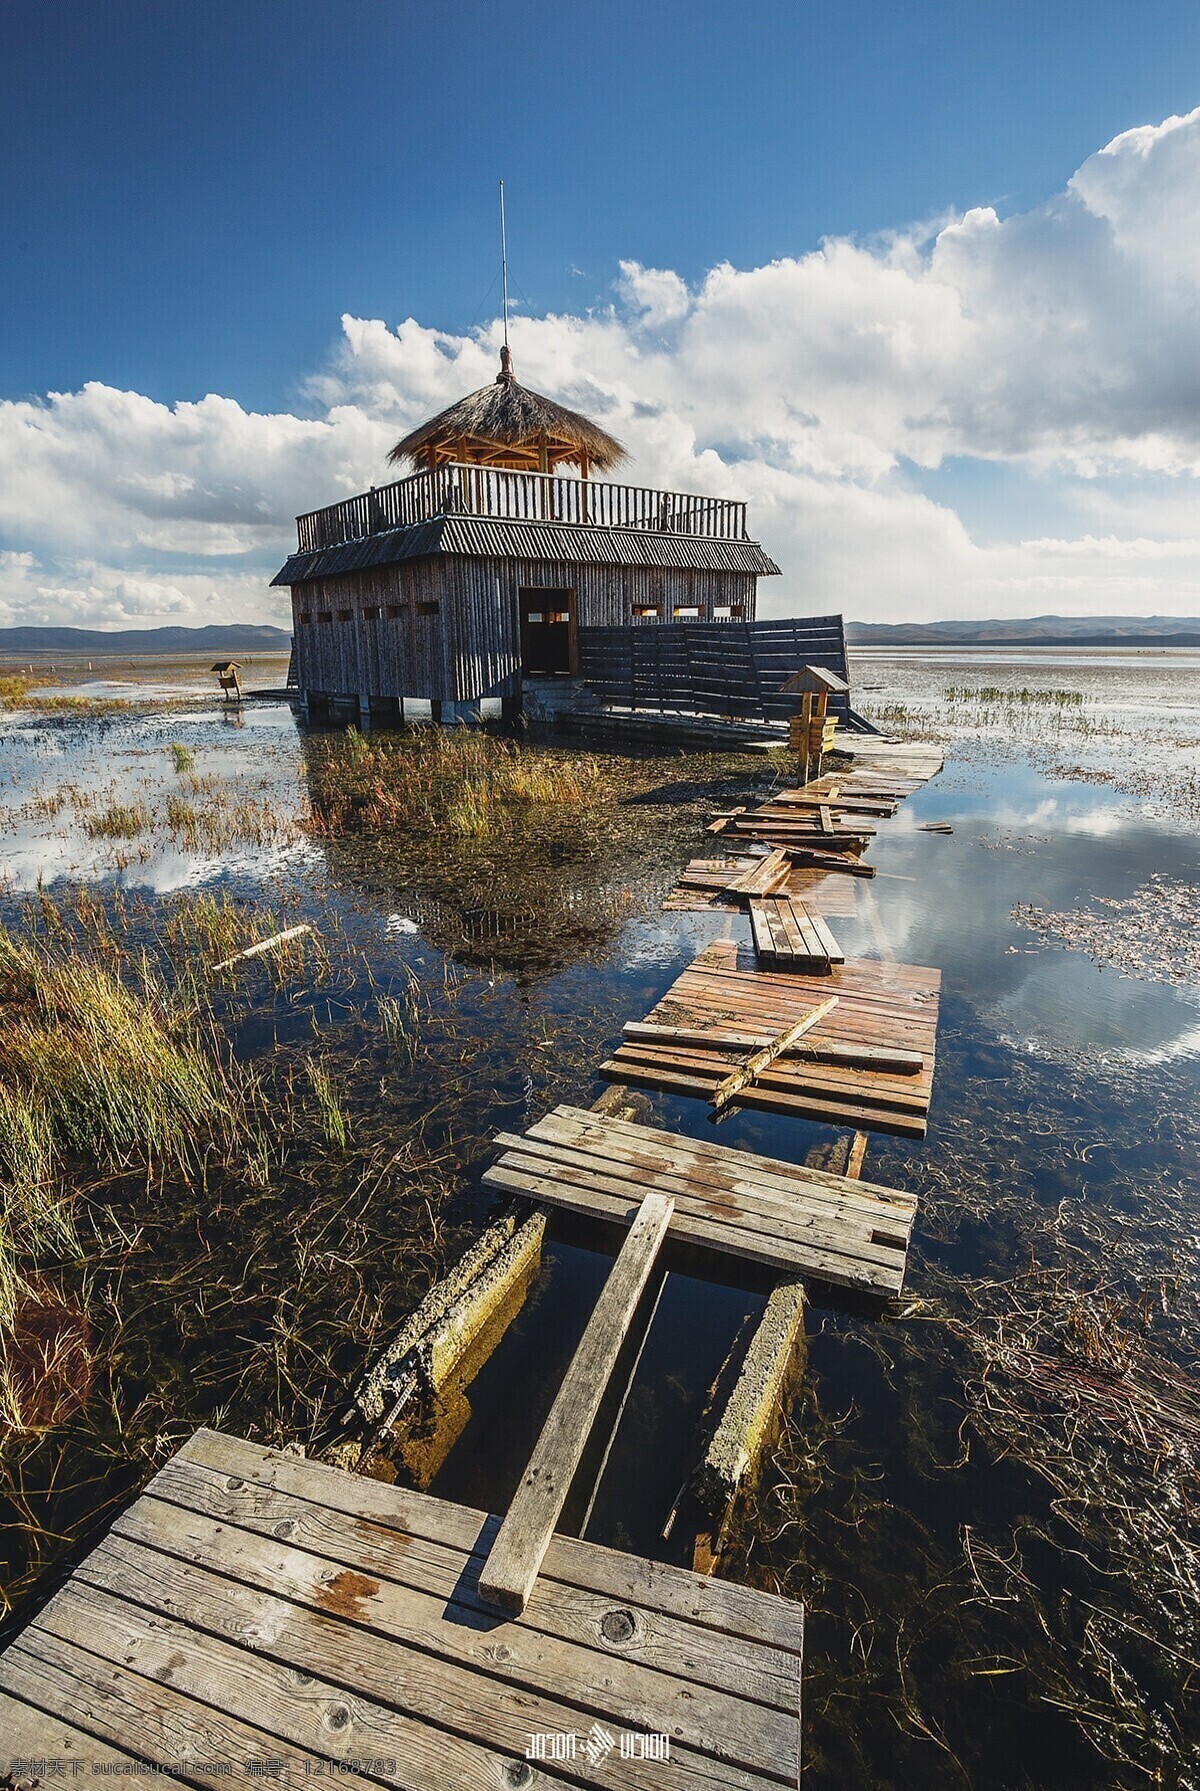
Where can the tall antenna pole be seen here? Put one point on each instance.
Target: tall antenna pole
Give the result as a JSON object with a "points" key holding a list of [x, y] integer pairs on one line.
{"points": [[504, 263]]}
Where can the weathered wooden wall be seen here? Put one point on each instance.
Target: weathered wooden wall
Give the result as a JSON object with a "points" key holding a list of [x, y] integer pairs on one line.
{"points": [[369, 632]]}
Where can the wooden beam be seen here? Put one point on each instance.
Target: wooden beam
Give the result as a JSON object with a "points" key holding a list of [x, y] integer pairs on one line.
{"points": [[868, 1057], [516, 1556], [758, 1061]]}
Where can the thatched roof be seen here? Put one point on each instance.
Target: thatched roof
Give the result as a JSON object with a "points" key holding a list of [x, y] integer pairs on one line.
{"points": [[505, 424]]}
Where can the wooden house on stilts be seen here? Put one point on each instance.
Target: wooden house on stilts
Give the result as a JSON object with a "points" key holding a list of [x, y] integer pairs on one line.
{"points": [[483, 568]]}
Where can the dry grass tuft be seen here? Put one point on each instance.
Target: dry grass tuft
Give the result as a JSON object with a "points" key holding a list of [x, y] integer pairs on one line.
{"points": [[119, 821], [466, 783]]}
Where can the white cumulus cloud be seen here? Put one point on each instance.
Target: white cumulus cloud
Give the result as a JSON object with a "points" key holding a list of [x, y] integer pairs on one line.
{"points": [[845, 393]]}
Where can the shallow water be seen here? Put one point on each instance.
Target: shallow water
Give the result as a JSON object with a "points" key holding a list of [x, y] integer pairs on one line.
{"points": [[1064, 1103]]}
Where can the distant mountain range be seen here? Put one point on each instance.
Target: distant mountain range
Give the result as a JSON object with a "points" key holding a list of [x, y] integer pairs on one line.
{"points": [[259, 637], [232, 637], [1032, 631]]}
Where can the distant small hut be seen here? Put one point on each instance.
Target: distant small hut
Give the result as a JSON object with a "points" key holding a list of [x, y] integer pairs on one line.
{"points": [[227, 677], [488, 566]]}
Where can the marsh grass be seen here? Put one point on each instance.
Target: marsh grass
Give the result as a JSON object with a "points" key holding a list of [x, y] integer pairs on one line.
{"points": [[94, 1068], [15, 688], [182, 757], [215, 817], [466, 783], [71, 707], [119, 821], [990, 696], [98, 1075], [334, 1126]]}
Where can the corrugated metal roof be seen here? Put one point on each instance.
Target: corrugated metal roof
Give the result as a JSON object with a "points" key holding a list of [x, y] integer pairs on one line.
{"points": [[491, 538]]}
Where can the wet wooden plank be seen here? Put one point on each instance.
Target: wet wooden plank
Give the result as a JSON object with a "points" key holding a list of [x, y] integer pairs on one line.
{"points": [[512, 1566], [789, 1217], [882, 1007], [877, 1057], [625, 1579], [763, 876], [765, 1055], [252, 1606]]}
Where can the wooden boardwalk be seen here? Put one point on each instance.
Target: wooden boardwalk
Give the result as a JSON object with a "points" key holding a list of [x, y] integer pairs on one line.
{"points": [[256, 1611], [790, 936], [844, 1072], [257, 1614], [783, 1215]]}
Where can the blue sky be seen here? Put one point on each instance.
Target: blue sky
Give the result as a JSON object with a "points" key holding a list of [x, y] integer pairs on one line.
{"points": [[196, 197]]}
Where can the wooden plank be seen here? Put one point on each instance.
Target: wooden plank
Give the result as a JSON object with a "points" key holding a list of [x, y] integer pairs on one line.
{"points": [[508, 1575], [127, 1710], [370, 1638], [719, 1606], [821, 929], [796, 1212], [877, 1057], [804, 1102], [828, 861], [762, 877], [759, 1060], [806, 942], [839, 1230], [840, 1268], [790, 1204], [28, 1732], [450, 1572], [764, 943], [733, 1201], [701, 1158], [870, 1090]]}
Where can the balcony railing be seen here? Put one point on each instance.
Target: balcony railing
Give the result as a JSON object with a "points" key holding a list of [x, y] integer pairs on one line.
{"points": [[518, 497]]}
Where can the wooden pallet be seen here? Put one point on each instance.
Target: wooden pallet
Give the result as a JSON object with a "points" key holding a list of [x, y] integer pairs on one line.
{"points": [[256, 1607], [783, 1215], [702, 886], [789, 936], [881, 1006]]}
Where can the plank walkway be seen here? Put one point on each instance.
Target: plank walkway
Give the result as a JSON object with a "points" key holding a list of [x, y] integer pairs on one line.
{"points": [[790, 936], [253, 1613], [255, 1607], [784, 1215], [881, 1006]]}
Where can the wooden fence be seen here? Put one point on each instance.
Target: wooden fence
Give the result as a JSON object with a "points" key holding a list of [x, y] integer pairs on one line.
{"points": [[713, 668]]}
